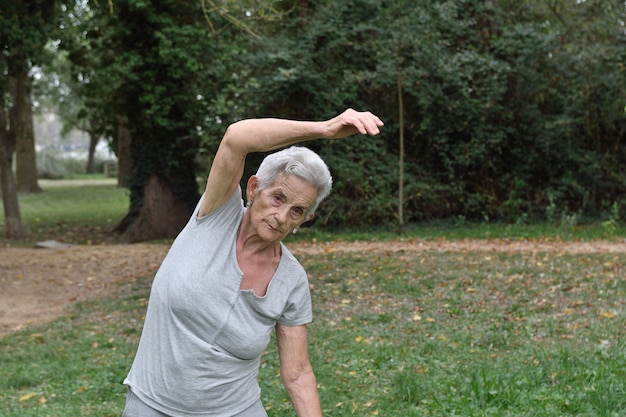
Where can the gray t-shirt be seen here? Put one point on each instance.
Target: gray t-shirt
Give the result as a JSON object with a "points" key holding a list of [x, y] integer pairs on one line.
{"points": [[203, 337]]}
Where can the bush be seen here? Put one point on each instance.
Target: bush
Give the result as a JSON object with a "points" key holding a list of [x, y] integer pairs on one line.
{"points": [[55, 165]]}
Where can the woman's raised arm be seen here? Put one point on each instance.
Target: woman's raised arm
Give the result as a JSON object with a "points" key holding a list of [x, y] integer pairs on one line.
{"points": [[262, 135]]}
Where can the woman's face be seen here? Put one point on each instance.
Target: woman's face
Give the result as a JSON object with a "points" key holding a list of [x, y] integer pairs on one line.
{"points": [[281, 207]]}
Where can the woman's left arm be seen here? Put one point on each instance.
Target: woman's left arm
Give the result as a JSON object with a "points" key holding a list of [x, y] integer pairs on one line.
{"points": [[296, 371]]}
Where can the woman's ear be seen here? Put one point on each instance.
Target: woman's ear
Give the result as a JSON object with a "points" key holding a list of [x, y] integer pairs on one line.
{"points": [[251, 187]]}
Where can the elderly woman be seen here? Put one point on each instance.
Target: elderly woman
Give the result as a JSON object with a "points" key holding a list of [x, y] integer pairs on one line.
{"points": [[227, 280]]}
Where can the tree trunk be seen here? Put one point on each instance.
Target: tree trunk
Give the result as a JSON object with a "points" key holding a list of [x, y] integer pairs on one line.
{"points": [[400, 158], [93, 142], [124, 162], [13, 220], [22, 122], [161, 216], [12, 217]]}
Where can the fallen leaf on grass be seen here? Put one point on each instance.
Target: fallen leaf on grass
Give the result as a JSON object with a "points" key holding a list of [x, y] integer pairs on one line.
{"points": [[607, 314], [27, 397]]}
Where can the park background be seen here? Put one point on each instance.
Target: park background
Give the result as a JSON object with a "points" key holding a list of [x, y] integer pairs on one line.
{"points": [[501, 164], [494, 110]]}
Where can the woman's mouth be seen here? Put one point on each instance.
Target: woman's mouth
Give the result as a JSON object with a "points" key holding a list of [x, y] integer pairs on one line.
{"points": [[274, 229]]}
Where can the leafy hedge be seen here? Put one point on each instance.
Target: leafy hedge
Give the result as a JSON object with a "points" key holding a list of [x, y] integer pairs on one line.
{"points": [[511, 111]]}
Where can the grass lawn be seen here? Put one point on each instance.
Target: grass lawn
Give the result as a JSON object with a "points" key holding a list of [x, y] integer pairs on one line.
{"points": [[437, 334], [79, 211], [395, 334]]}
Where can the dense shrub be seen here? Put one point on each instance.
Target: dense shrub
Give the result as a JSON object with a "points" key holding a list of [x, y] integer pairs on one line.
{"points": [[511, 110]]}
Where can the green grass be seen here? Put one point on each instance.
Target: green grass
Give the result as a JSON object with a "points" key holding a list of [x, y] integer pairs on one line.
{"points": [[395, 334], [470, 334], [71, 212], [451, 229], [73, 366]]}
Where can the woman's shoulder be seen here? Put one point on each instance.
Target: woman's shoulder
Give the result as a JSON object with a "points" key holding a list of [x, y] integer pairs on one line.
{"points": [[234, 204], [290, 270]]}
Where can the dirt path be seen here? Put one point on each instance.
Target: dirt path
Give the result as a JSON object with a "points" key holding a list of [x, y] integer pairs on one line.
{"points": [[38, 285]]}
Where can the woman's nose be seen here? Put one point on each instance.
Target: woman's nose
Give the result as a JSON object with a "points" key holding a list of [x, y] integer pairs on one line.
{"points": [[281, 214]]}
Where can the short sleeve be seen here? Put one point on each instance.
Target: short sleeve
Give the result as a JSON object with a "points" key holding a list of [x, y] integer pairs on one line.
{"points": [[298, 308]]}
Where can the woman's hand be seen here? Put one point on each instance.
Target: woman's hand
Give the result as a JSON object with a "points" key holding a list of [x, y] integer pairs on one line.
{"points": [[351, 122]]}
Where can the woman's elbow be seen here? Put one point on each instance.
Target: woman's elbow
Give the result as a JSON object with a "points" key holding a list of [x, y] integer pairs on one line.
{"points": [[292, 375]]}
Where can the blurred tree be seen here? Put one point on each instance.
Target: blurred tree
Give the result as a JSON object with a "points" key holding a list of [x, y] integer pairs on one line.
{"points": [[59, 91], [24, 27], [25, 156], [153, 73], [154, 62]]}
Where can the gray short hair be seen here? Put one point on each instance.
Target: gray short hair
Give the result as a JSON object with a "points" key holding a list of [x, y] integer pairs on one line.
{"points": [[299, 161]]}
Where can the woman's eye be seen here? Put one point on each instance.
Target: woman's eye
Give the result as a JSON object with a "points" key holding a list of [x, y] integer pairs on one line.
{"points": [[297, 213]]}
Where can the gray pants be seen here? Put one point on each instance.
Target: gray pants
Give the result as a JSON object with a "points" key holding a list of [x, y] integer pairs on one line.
{"points": [[137, 408]]}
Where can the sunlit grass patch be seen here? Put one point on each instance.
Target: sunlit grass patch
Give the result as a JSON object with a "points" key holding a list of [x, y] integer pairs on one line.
{"points": [[72, 213]]}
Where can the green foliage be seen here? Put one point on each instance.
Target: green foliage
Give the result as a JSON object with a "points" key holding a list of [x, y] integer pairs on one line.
{"points": [[24, 31], [509, 108], [512, 110], [610, 225], [151, 64], [160, 50], [360, 196], [304, 70], [52, 165]]}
